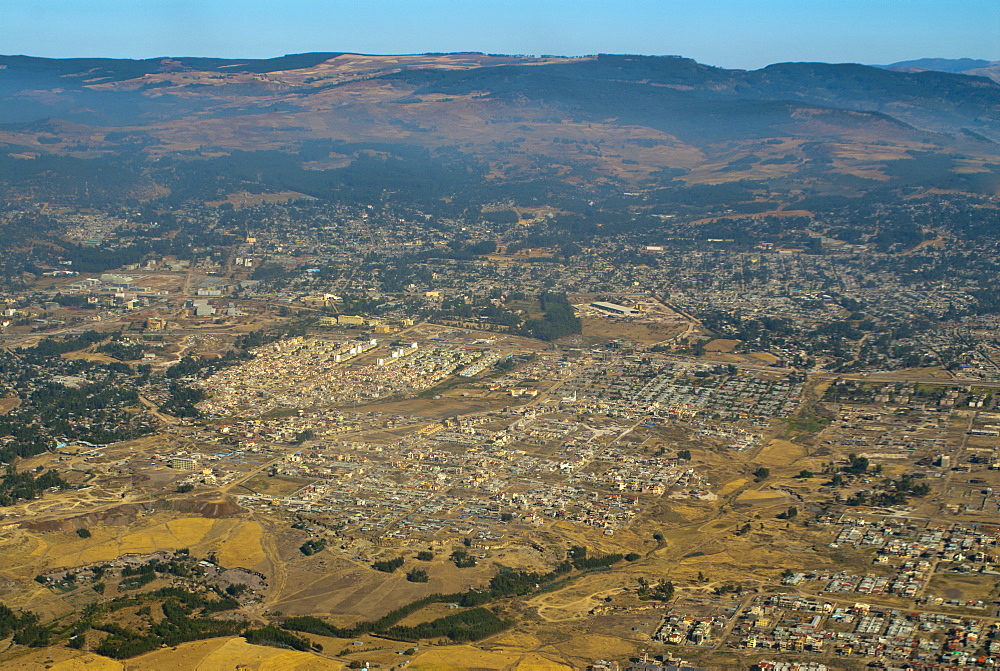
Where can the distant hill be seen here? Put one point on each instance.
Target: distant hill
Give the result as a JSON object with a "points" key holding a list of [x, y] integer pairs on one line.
{"points": [[593, 122], [964, 66], [952, 65]]}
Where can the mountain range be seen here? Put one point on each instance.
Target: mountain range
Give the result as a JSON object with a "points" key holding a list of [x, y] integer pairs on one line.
{"points": [[620, 121], [976, 67]]}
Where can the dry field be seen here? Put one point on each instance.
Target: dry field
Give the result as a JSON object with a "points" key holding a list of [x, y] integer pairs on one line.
{"points": [[8, 403], [246, 199], [276, 485], [225, 654], [965, 587], [62, 659], [362, 593], [759, 497], [597, 330], [462, 657], [731, 486], [237, 543], [722, 345], [93, 357], [778, 453]]}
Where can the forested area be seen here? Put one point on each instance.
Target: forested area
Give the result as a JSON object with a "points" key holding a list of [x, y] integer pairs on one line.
{"points": [[559, 319], [24, 486], [24, 626], [62, 400]]}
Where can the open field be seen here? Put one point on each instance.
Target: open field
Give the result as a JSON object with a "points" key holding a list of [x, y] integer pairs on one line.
{"points": [[245, 199], [964, 587], [8, 403], [596, 330], [224, 654], [721, 345], [240, 545], [275, 485], [64, 659], [457, 658], [359, 592], [731, 486], [779, 453], [236, 542], [88, 356]]}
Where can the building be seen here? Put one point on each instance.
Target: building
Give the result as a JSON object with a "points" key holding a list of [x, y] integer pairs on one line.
{"points": [[111, 279], [614, 308]]}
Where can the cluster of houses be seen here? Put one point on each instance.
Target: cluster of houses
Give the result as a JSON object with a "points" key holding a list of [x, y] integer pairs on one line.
{"points": [[305, 372]]}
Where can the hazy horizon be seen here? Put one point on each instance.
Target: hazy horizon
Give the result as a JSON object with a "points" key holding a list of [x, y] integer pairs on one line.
{"points": [[718, 33], [516, 55]]}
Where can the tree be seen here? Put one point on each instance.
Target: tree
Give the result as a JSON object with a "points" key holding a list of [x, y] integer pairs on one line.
{"points": [[303, 436], [389, 565], [856, 465], [83, 533], [791, 513], [463, 559], [685, 455], [312, 546], [417, 575], [664, 591], [762, 473]]}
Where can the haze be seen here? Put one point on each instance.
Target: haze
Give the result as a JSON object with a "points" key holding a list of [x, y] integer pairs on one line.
{"points": [[727, 34]]}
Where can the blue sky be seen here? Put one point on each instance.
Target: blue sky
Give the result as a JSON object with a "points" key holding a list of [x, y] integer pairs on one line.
{"points": [[738, 34]]}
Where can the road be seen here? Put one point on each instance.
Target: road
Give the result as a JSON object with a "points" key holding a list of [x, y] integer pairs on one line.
{"points": [[958, 454], [155, 412], [257, 471]]}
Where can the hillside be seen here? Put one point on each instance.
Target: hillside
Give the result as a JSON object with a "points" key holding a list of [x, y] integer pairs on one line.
{"points": [[976, 67], [602, 122]]}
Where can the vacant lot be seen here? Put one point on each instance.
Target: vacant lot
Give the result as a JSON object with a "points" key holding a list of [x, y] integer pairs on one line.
{"points": [[597, 330], [780, 453], [276, 485], [722, 345]]}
